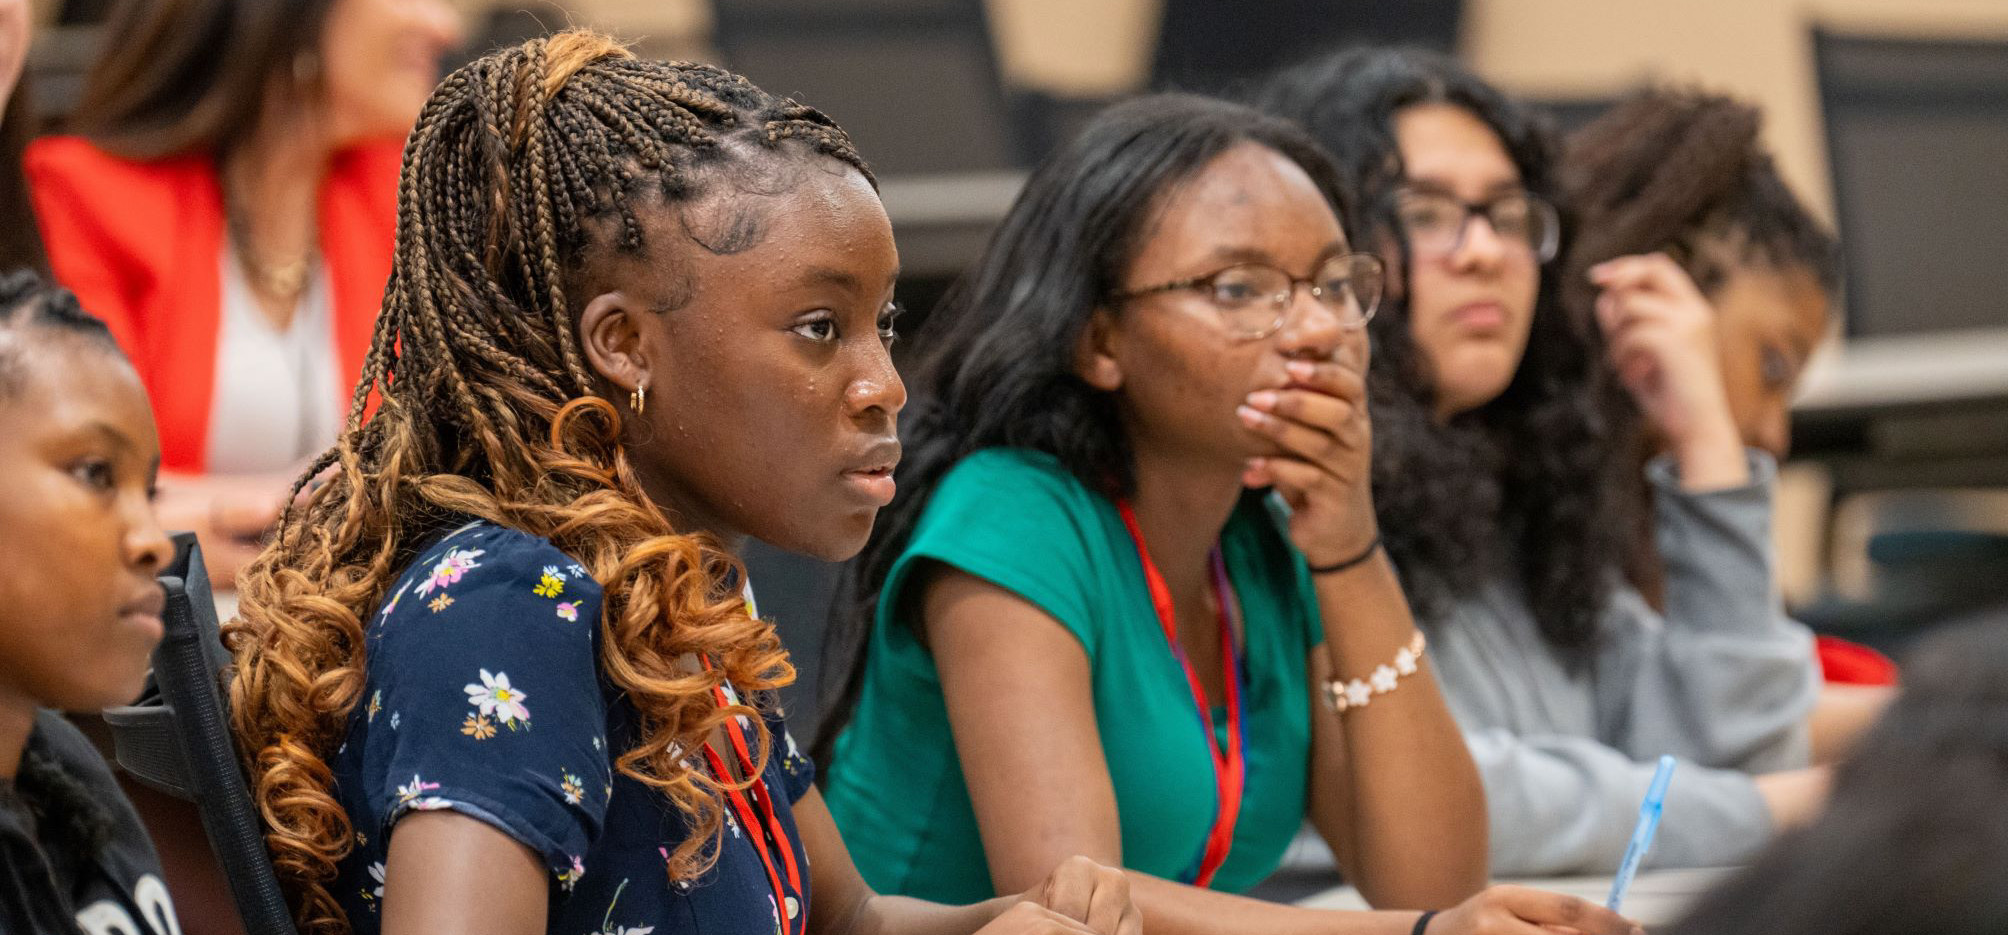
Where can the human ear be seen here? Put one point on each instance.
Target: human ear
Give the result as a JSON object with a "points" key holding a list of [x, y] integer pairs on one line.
{"points": [[610, 337], [1095, 355]]}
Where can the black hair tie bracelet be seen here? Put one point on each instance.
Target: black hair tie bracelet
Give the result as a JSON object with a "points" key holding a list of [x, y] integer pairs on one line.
{"points": [[1359, 559]]}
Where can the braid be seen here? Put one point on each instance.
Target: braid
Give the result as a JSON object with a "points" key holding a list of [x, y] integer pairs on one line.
{"points": [[476, 400], [29, 306]]}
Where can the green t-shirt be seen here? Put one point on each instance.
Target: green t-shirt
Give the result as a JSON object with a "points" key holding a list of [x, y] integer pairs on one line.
{"points": [[1018, 519]]}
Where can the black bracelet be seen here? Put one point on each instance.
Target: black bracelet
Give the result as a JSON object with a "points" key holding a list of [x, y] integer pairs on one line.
{"points": [[1422, 924], [1337, 567]]}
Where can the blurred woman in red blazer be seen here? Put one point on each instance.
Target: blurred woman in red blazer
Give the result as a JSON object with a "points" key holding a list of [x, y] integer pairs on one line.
{"points": [[228, 207]]}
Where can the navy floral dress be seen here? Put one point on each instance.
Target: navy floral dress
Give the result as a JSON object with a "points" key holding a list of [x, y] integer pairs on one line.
{"points": [[485, 697]]}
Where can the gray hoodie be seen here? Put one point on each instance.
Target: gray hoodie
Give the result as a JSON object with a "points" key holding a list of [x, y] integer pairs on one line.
{"points": [[1723, 681]]}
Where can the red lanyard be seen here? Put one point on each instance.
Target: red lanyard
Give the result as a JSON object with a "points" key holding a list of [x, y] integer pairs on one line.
{"points": [[1230, 771], [766, 835]]}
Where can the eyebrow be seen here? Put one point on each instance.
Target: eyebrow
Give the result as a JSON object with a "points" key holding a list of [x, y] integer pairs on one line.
{"points": [[107, 431], [1238, 254], [842, 279], [1435, 187]]}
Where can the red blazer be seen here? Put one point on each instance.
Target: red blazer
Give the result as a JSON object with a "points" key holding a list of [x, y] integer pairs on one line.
{"points": [[141, 244]]}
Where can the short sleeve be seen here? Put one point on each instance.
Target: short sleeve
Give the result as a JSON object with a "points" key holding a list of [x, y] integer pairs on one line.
{"points": [[797, 772], [484, 694], [1019, 520]]}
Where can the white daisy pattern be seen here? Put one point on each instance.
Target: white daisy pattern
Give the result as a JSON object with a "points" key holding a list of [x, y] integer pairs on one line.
{"points": [[494, 696]]}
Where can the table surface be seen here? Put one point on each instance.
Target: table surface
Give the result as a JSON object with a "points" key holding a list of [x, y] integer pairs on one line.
{"points": [[1656, 897]]}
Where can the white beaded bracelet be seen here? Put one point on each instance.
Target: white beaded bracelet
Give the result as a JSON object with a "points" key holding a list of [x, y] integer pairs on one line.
{"points": [[1342, 696]]}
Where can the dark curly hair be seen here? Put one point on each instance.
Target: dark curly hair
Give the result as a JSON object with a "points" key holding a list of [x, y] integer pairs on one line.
{"points": [[998, 369], [1530, 463], [1685, 173]]}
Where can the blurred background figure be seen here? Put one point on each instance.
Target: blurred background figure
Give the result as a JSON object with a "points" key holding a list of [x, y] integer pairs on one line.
{"points": [[227, 203], [1915, 838]]}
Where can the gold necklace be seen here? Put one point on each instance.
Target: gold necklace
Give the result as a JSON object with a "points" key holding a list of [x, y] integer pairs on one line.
{"points": [[282, 281]]}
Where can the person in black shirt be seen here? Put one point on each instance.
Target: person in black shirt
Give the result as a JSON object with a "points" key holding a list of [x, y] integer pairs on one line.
{"points": [[79, 614]]}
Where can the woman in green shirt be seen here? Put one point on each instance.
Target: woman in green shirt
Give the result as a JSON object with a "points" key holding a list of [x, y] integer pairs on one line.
{"points": [[1095, 629]]}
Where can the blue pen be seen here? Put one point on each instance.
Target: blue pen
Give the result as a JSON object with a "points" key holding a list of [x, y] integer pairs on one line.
{"points": [[1641, 839]]}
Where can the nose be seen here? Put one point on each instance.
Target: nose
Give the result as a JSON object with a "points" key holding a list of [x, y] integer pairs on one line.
{"points": [[876, 387], [147, 547], [1481, 247], [1311, 328]]}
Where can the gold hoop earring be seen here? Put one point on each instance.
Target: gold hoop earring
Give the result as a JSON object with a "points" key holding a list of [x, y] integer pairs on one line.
{"points": [[639, 399]]}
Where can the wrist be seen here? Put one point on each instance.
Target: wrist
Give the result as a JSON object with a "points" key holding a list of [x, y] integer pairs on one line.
{"points": [[1350, 561], [1712, 458]]}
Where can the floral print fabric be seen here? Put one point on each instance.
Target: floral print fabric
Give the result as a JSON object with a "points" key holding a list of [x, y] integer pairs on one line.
{"points": [[485, 697]]}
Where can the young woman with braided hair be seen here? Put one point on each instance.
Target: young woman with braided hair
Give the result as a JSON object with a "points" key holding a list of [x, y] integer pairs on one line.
{"points": [[79, 616], [498, 674]]}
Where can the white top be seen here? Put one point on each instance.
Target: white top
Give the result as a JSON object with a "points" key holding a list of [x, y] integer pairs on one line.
{"points": [[278, 396]]}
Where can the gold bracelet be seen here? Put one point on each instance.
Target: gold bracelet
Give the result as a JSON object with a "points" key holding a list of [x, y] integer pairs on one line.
{"points": [[1342, 696]]}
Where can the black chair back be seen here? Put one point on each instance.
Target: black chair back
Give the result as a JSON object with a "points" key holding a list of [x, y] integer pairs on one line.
{"points": [[176, 739]]}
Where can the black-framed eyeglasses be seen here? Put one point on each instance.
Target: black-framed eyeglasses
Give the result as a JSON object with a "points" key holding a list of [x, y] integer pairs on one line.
{"points": [[1436, 223], [1254, 298]]}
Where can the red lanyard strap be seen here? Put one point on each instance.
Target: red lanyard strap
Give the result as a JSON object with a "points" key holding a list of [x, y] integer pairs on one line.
{"points": [[763, 828], [1230, 770]]}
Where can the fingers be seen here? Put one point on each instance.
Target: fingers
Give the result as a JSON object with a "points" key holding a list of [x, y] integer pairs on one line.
{"points": [[1319, 411], [1070, 891], [1092, 897], [1543, 908], [1618, 309], [1292, 479], [1331, 377], [1030, 918], [1653, 272], [1110, 903], [1131, 922]]}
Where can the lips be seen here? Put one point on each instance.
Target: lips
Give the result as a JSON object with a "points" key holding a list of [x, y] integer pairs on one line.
{"points": [[1479, 316], [870, 473], [145, 609]]}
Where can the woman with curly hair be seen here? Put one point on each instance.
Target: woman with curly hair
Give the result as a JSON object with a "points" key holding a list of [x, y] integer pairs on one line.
{"points": [[1684, 173], [79, 615], [1492, 466], [1131, 601], [500, 673]]}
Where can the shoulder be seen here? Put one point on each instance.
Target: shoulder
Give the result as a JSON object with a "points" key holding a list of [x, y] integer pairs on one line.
{"points": [[1007, 494], [127, 849], [86, 195], [77, 165], [369, 173], [58, 738], [495, 579], [1017, 519], [1011, 482], [1023, 465]]}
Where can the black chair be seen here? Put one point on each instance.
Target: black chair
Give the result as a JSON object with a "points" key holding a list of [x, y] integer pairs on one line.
{"points": [[176, 739]]}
